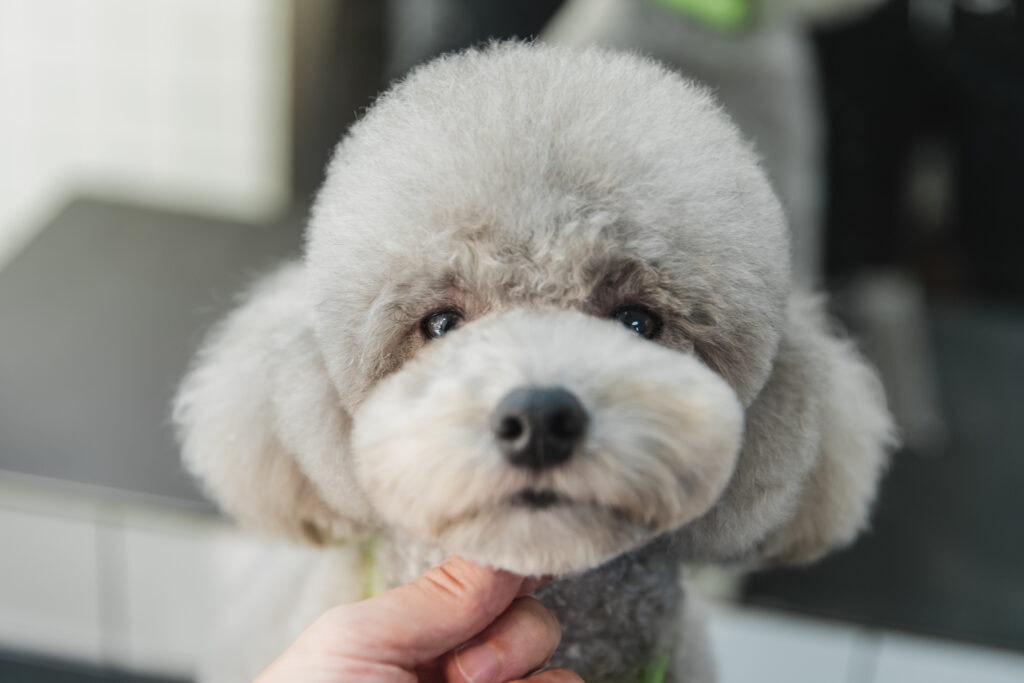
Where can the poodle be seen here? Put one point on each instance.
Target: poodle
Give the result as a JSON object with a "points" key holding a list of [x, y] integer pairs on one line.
{"points": [[543, 320]]}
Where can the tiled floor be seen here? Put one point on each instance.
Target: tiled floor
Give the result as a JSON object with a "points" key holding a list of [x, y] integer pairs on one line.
{"points": [[91, 575]]}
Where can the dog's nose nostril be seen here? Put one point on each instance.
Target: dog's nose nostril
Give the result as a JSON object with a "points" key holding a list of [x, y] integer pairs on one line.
{"points": [[567, 423], [538, 427], [510, 428]]}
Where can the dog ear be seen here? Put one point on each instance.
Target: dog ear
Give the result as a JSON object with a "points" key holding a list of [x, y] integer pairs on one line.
{"points": [[261, 424], [855, 436], [816, 439]]}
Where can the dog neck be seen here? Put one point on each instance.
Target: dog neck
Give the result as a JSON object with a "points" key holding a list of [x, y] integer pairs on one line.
{"points": [[622, 621]]}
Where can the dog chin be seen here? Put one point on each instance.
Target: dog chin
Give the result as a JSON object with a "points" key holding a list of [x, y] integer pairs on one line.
{"points": [[540, 532]]}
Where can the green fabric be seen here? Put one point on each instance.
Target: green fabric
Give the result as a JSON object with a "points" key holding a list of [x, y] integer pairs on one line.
{"points": [[654, 672], [371, 578], [724, 15]]}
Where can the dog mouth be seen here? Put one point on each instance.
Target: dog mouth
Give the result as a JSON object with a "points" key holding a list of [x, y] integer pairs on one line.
{"points": [[537, 499], [546, 499], [543, 501]]}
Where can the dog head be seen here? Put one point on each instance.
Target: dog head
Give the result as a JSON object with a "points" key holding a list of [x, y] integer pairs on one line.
{"points": [[541, 291]]}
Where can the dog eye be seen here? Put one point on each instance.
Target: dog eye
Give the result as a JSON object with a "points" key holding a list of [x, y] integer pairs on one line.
{"points": [[441, 323], [639, 319]]}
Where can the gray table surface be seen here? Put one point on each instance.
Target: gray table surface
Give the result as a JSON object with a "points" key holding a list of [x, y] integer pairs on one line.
{"points": [[99, 316]]}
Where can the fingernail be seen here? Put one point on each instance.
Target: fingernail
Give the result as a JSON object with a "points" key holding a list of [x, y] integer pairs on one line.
{"points": [[478, 663]]}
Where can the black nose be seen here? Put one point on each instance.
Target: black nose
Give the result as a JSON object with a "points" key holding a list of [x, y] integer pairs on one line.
{"points": [[538, 427]]}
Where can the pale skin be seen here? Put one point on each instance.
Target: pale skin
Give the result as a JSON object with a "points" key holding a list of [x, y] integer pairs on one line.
{"points": [[460, 622]]}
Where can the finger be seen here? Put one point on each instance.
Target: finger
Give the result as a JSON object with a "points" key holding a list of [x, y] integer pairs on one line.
{"points": [[532, 583], [521, 640], [424, 619], [552, 676]]}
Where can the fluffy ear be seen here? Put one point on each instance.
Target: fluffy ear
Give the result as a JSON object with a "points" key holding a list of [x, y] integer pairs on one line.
{"points": [[856, 435], [261, 424], [816, 440]]}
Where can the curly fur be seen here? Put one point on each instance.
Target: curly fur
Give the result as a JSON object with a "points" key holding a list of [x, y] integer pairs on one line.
{"points": [[536, 189]]}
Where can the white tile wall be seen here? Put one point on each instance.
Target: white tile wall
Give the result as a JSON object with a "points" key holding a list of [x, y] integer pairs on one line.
{"points": [[767, 647], [174, 587], [99, 576], [94, 575], [752, 645], [905, 659], [48, 584], [180, 103]]}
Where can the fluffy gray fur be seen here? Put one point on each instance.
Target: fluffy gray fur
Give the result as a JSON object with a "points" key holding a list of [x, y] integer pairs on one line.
{"points": [[536, 189]]}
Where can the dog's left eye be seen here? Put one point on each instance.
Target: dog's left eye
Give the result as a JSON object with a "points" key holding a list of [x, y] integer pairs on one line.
{"points": [[441, 323], [640, 319]]}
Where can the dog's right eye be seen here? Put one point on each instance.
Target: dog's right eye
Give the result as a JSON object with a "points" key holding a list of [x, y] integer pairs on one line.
{"points": [[441, 323], [640, 319]]}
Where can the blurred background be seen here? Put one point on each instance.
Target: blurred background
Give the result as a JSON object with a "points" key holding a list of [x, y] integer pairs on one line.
{"points": [[157, 155]]}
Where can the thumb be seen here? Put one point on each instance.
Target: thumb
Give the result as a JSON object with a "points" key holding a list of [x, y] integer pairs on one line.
{"points": [[440, 610]]}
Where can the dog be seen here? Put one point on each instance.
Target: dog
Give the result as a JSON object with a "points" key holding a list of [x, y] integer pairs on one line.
{"points": [[543, 320]]}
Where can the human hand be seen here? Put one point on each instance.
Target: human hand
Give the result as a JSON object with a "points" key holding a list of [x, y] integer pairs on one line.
{"points": [[460, 622]]}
